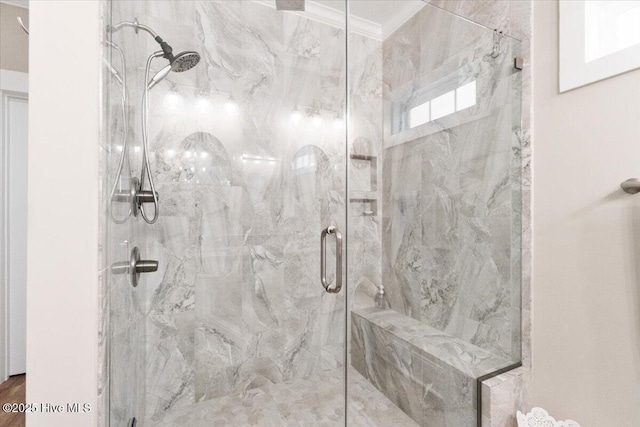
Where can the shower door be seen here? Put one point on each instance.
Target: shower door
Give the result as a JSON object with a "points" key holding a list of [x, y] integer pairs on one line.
{"points": [[248, 152], [254, 163]]}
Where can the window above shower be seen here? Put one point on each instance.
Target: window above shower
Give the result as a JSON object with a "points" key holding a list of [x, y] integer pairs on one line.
{"points": [[451, 102]]}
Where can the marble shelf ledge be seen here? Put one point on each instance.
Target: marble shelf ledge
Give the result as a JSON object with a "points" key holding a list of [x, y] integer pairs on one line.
{"points": [[468, 359]]}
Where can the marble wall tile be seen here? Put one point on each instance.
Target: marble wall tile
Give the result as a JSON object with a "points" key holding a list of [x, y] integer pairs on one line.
{"points": [[235, 307], [493, 225], [516, 16], [243, 198], [503, 396], [364, 239], [429, 375], [449, 202]]}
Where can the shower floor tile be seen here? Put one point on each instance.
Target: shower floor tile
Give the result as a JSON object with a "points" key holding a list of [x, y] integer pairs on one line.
{"points": [[317, 400]]}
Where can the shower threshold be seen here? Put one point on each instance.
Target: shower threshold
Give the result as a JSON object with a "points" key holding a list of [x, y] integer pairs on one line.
{"points": [[316, 401]]}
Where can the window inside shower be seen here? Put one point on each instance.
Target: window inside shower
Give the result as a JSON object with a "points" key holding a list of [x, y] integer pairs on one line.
{"points": [[395, 123]]}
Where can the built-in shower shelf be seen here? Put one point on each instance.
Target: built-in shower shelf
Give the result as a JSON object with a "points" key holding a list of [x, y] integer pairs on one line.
{"points": [[364, 207], [364, 172]]}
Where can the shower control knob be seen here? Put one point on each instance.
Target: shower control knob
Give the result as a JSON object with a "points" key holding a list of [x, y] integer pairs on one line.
{"points": [[134, 196], [145, 196], [134, 267], [146, 266]]}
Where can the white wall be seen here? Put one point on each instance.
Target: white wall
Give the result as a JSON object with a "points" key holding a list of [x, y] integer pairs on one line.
{"points": [[586, 288], [62, 282]]}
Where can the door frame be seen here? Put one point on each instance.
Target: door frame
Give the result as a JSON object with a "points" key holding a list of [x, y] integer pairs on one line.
{"points": [[14, 85]]}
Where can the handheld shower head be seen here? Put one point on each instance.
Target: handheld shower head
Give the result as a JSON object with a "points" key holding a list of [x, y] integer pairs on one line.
{"points": [[181, 62], [159, 76]]}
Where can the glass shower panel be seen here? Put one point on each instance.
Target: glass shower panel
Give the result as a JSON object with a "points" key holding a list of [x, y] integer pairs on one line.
{"points": [[434, 214], [247, 151], [126, 319]]}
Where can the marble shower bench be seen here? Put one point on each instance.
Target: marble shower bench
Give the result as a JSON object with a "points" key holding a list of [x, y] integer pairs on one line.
{"points": [[428, 374]]}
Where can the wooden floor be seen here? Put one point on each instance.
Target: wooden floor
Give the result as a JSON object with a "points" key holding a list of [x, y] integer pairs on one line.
{"points": [[12, 391]]}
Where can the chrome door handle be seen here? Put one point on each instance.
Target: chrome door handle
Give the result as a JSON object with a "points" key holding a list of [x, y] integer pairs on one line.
{"points": [[323, 259]]}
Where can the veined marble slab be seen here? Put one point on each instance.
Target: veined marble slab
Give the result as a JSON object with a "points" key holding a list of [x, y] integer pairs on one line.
{"points": [[459, 354], [316, 401], [216, 259], [428, 374], [452, 188]]}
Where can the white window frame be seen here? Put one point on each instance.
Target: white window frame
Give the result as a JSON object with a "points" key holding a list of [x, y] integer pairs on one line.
{"points": [[575, 71]]}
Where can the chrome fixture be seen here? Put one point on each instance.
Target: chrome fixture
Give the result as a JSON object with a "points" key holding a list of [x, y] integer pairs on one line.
{"points": [[498, 36], [135, 25], [134, 267], [518, 63], [323, 259], [179, 63], [380, 299], [290, 5], [134, 197], [121, 79], [631, 186], [22, 25]]}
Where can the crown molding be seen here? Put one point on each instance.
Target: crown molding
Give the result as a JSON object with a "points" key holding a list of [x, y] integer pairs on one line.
{"points": [[335, 18], [330, 16], [18, 3], [406, 13]]}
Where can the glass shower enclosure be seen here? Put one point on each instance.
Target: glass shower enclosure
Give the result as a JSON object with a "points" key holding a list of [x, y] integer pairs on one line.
{"points": [[339, 213]]}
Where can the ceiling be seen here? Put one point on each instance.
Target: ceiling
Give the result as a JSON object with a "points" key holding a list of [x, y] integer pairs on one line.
{"points": [[377, 18], [379, 11], [387, 14]]}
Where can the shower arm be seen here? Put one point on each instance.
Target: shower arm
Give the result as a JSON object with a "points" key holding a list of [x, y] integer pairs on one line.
{"points": [[167, 51], [135, 25]]}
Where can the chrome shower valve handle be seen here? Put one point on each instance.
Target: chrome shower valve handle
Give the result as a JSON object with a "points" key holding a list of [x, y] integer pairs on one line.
{"points": [[134, 267]]}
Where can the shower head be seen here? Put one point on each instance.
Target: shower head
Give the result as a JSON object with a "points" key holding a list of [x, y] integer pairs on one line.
{"points": [[181, 62], [184, 61]]}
